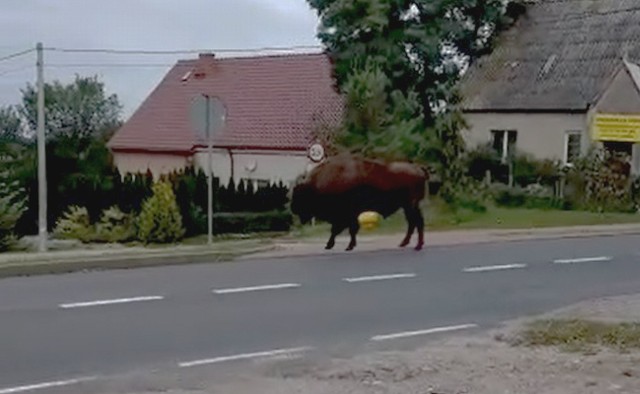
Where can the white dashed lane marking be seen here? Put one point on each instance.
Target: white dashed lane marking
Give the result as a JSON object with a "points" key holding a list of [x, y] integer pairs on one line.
{"points": [[257, 288], [109, 302], [494, 268], [42, 386], [246, 356], [379, 277], [429, 331], [584, 260]]}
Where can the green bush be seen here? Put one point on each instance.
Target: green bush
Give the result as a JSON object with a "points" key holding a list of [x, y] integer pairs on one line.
{"points": [[251, 222], [160, 220], [534, 196], [482, 159], [601, 182], [115, 226], [11, 209], [74, 224]]}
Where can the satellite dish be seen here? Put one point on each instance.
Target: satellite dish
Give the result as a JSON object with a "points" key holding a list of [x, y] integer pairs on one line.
{"points": [[316, 152]]}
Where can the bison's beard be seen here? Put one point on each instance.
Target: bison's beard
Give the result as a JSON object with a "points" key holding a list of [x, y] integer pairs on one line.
{"points": [[301, 203], [305, 218]]}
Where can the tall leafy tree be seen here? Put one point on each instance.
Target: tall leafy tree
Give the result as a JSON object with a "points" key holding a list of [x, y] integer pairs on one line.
{"points": [[10, 125], [403, 59], [78, 111], [80, 117]]}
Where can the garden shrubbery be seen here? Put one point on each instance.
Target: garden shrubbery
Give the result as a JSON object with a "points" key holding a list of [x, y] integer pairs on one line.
{"points": [[137, 208], [12, 207], [599, 181]]}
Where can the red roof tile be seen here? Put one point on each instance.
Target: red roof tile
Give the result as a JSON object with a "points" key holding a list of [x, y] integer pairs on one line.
{"points": [[271, 102]]}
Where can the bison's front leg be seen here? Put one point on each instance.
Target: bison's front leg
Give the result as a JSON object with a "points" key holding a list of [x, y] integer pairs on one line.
{"points": [[354, 227], [409, 214], [335, 230]]}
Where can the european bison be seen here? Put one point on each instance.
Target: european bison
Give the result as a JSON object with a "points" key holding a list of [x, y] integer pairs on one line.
{"points": [[343, 186]]}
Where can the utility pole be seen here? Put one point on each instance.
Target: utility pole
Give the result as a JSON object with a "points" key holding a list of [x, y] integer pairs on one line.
{"points": [[209, 172], [206, 124], [42, 157]]}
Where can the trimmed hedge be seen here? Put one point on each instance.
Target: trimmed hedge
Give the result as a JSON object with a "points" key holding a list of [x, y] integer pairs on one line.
{"points": [[251, 222]]}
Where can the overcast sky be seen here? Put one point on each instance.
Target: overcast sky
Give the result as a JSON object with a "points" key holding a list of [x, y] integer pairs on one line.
{"points": [[138, 24]]}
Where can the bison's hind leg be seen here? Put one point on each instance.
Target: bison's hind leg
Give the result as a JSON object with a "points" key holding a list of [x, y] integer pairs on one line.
{"points": [[354, 227], [420, 226]]}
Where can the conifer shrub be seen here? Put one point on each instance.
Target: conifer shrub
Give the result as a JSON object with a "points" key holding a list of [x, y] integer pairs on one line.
{"points": [[115, 226], [75, 223], [12, 206], [160, 220]]}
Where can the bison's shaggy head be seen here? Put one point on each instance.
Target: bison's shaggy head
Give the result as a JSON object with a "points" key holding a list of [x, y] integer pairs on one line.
{"points": [[302, 202]]}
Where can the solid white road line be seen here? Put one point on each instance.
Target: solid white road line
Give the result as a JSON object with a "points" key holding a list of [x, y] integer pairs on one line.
{"points": [[257, 288], [109, 302], [378, 277], [583, 260], [494, 268], [423, 332], [47, 385], [246, 356]]}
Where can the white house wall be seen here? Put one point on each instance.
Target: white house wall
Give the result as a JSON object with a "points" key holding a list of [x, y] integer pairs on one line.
{"points": [[266, 166], [158, 163], [539, 134], [621, 97]]}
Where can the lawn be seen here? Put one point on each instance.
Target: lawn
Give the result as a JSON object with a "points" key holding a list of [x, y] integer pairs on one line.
{"points": [[438, 218]]}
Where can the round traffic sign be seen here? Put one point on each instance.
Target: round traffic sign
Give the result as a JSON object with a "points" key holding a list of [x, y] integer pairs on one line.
{"points": [[316, 152], [207, 111]]}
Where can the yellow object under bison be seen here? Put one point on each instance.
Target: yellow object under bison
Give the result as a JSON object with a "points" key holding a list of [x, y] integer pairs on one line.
{"points": [[369, 220]]}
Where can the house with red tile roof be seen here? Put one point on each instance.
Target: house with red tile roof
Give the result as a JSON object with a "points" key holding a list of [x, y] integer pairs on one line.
{"points": [[274, 105]]}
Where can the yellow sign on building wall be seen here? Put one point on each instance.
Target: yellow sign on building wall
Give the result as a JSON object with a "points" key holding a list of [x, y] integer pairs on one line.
{"points": [[616, 127]]}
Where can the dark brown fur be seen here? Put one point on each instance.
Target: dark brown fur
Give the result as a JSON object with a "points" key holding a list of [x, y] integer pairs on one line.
{"points": [[343, 186]]}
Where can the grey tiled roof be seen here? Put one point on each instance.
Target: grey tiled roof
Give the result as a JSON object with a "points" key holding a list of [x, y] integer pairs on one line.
{"points": [[560, 55]]}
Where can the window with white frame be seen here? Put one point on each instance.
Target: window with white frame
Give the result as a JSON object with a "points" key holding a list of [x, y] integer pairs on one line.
{"points": [[504, 142], [572, 146]]}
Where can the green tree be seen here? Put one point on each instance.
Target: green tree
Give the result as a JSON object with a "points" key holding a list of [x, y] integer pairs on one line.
{"points": [[80, 118], [10, 125], [80, 111], [421, 45], [12, 206], [160, 220], [398, 63]]}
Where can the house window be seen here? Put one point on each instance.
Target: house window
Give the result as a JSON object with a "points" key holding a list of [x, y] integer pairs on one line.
{"points": [[504, 142], [572, 146]]}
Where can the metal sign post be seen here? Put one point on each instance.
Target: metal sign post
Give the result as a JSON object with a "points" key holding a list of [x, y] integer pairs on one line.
{"points": [[208, 115]]}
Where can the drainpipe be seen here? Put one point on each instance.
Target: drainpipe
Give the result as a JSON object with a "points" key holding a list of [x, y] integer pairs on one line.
{"points": [[231, 162]]}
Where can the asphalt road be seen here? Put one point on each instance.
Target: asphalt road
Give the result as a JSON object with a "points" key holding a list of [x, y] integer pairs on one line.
{"points": [[54, 329]]}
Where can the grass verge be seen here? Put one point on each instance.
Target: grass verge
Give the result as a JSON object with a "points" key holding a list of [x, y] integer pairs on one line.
{"points": [[438, 217], [581, 335]]}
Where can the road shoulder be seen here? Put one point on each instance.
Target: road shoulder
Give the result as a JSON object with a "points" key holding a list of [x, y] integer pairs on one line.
{"points": [[482, 363]]}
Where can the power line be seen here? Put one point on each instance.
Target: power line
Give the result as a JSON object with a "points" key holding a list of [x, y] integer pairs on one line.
{"points": [[175, 52], [115, 65], [13, 70], [17, 54]]}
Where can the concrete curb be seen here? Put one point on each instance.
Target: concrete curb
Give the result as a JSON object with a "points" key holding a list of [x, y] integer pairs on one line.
{"points": [[475, 237], [119, 261], [30, 264]]}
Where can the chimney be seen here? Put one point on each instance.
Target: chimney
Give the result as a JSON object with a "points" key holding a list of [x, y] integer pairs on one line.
{"points": [[205, 61], [207, 55]]}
